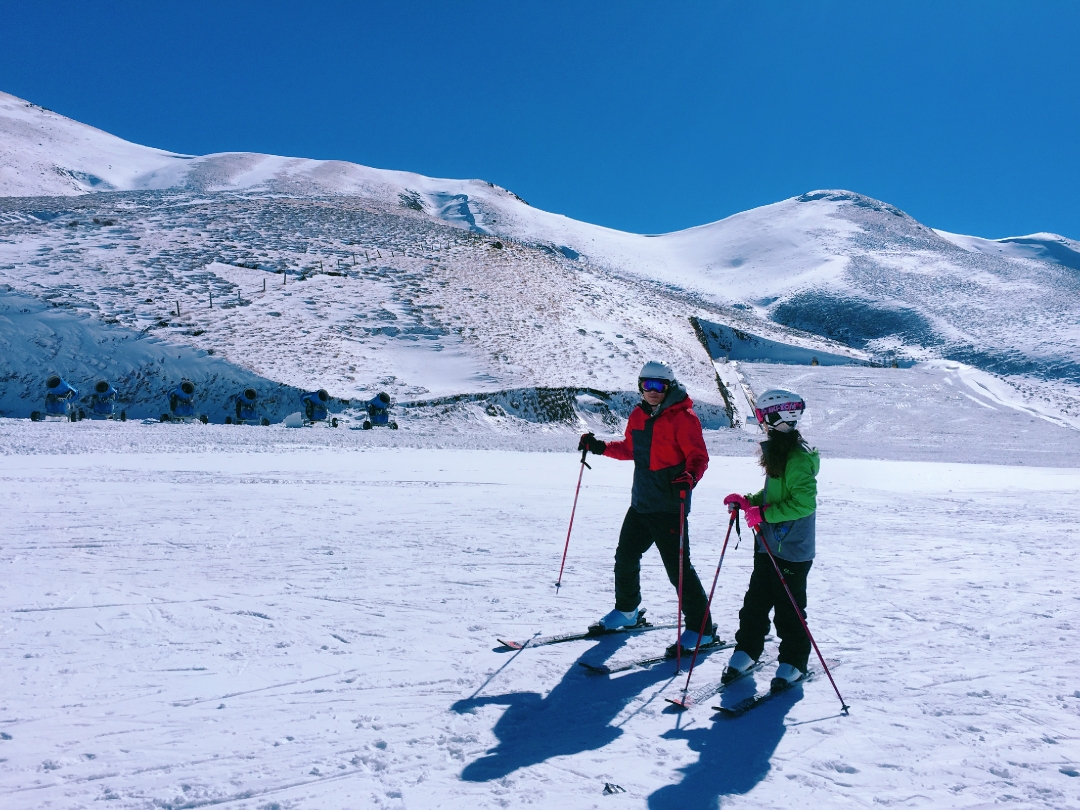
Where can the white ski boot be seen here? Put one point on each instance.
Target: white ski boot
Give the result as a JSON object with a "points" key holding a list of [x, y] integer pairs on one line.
{"points": [[618, 619], [738, 666], [785, 676], [690, 639]]}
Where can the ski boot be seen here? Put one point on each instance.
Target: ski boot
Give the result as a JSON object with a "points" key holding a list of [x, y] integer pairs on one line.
{"points": [[786, 676], [737, 667], [689, 642], [618, 620]]}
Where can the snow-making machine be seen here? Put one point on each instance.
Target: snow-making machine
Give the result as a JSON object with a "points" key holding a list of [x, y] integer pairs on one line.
{"points": [[182, 405], [315, 409], [378, 408], [247, 411], [61, 402], [102, 402]]}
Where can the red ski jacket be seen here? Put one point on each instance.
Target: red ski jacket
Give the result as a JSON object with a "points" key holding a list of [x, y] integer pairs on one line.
{"points": [[662, 445]]}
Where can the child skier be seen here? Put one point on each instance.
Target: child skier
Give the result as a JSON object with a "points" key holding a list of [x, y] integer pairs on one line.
{"points": [[782, 515], [663, 438]]}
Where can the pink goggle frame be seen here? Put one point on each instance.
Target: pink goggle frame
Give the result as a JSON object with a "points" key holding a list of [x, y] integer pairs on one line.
{"points": [[762, 413]]}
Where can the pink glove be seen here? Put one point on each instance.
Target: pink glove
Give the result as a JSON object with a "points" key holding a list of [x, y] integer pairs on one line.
{"points": [[736, 501], [753, 516]]}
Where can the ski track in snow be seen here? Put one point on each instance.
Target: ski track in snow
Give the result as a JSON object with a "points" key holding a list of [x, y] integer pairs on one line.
{"points": [[315, 627]]}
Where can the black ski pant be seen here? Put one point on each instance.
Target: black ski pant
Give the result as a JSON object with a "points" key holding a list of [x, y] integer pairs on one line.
{"points": [[765, 593], [640, 530]]}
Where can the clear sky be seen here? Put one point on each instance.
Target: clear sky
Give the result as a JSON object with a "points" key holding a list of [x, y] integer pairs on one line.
{"points": [[647, 117]]}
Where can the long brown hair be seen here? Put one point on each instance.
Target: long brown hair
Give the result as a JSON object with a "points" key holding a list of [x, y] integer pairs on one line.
{"points": [[776, 449]]}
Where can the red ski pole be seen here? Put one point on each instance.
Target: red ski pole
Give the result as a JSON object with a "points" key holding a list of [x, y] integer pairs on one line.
{"points": [[708, 605], [581, 472], [682, 543], [843, 705]]}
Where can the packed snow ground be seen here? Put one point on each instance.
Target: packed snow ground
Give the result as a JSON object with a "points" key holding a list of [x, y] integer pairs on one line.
{"points": [[315, 627]]}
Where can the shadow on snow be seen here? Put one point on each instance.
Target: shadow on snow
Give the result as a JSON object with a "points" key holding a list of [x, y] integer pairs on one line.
{"points": [[575, 716], [733, 755]]}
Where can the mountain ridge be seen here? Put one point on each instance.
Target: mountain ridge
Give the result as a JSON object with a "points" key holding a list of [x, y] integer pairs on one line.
{"points": [[520, 296]]}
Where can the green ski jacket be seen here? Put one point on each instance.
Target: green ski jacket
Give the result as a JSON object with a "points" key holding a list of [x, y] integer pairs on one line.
{"points": [[790, 508]]}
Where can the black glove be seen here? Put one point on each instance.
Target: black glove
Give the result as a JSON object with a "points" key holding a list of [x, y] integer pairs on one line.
{"points": [[592, 444], [683, 482]]}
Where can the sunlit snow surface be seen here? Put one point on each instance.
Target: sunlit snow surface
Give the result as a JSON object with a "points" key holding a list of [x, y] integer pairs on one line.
{"points": [[261, 617]]}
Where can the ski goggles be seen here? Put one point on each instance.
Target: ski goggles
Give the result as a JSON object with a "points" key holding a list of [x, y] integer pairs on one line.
{"points": [[773, 414], [651, 384]]}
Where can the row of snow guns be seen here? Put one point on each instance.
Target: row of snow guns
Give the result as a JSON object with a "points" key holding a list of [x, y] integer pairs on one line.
{"points": [[62, 402], [315, 410]]}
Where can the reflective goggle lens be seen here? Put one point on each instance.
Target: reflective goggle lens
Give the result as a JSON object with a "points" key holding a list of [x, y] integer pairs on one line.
{"points": [[659, 386], [772, 413]]}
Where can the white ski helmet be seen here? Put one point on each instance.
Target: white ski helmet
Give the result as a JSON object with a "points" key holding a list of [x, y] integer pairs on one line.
{"points": [[779, 409], [655, 370]]}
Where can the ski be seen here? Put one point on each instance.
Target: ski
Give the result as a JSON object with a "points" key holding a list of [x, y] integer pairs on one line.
{"points": [[702, 694], [594, 631], [637, 663], [752, 702]]}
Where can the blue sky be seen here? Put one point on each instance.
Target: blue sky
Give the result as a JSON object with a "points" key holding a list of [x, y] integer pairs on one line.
{"points": [[647, 117]]}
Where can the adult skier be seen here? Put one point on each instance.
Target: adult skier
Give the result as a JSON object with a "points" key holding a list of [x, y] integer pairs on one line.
{"points": [[664, 440], [783, 516]]}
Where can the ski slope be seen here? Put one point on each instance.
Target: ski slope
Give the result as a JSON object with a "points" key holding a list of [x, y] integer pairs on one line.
{"points": [[242, 624]]}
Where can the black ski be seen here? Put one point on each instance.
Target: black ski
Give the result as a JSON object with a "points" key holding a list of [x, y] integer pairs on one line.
{"points": [[691, 699], [752, 702], [669, 655], [594, 631]]}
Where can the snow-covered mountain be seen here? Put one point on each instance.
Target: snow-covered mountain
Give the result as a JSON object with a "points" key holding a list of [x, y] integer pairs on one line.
{"points": [[426, 287]]}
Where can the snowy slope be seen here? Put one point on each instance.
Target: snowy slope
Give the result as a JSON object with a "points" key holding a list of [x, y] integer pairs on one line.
{"points": [[44, 153], [143, 369], [1048, 247], [450, 286], [368, 301]]}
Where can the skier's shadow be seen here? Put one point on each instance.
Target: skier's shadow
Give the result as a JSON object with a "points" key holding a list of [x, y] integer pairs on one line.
{"points": [[575, 716], [734, 756]]}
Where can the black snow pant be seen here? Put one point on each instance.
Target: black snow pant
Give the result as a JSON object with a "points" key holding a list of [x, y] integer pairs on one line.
{"points": [[766, 592], [639, 531]]}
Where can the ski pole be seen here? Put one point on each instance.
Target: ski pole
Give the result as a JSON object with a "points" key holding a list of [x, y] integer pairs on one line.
{"points": [[708, 605], [798, 612], [682, 543], [581, 472]]}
